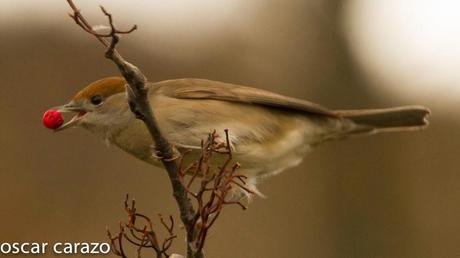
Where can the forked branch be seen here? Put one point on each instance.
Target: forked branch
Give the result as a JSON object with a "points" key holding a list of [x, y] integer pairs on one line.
{"points": [[139, 104], [144, 236], [215, 185]]}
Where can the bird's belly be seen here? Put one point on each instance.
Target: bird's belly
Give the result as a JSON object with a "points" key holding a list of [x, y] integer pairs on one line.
{"points": [[267, 153], [265, 142], [272, 157], [136, 140]]}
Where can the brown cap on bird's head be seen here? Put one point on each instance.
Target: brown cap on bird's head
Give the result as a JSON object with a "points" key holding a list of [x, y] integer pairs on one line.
{"points": [[95, 93], [104, 87]]}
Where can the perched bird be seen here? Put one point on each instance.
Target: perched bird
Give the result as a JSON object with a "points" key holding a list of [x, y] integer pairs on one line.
{"points": [[268, 132]]}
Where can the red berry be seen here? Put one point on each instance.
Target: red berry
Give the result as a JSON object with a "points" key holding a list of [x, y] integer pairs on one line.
{"points": [[52, 119]]}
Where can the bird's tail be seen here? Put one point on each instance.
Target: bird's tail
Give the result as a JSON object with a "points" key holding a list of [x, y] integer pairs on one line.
{"points": [[387, 120]]}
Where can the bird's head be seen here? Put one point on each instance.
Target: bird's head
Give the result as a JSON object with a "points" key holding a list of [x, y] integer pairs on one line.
{"points": [[99, 107]]}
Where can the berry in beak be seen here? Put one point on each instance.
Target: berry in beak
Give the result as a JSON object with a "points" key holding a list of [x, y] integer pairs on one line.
{"points": [[67, 108]]}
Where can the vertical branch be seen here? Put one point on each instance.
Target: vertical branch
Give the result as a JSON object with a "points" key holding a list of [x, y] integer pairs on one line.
{"points": [[139, 104], [215, 186]]}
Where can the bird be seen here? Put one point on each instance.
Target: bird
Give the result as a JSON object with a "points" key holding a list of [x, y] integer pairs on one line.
{"points": [[268, 132]]}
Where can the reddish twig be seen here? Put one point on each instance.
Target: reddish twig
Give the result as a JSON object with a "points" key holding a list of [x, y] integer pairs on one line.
{"points": [[142, 236], [214, 186]]}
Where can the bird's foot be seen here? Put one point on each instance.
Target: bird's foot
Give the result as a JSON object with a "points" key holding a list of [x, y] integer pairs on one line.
{"points": [[158, 155]]}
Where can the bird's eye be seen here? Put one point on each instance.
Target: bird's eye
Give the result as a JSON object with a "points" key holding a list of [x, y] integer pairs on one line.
{"points": [[96, 100]]}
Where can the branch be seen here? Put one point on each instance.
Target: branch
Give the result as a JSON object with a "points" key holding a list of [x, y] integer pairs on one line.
{"points": [[139, 104], [143, 237], [215, 186]]}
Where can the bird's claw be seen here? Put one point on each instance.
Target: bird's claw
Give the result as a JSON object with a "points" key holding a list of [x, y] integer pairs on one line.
{"points": [[158, 154]]}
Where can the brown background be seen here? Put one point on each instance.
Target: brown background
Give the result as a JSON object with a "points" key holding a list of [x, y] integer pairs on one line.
{"points": [[394, 195]]}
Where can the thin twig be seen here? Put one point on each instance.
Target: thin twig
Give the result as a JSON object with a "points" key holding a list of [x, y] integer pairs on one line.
{"points": [[216, 183]]}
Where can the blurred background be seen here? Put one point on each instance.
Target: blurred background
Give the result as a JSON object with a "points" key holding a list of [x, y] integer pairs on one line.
{"points": [[392, 195]]}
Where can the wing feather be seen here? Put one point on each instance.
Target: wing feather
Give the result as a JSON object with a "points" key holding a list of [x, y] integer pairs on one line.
{"points": [[206, 89]]}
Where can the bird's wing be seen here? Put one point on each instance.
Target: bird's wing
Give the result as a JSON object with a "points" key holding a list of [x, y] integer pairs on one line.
{"points": [[206, 89]]}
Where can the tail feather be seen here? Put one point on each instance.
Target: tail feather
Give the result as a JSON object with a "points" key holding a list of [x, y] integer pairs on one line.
{"points": [[387, 119]]}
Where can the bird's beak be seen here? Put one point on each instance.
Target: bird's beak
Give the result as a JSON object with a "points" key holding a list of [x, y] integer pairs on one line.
{"points": [[74, 108]]}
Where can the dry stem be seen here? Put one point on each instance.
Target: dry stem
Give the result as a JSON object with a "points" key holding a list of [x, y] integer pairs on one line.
{"points": [[143, 237], [139, 104], [215, 186]]}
